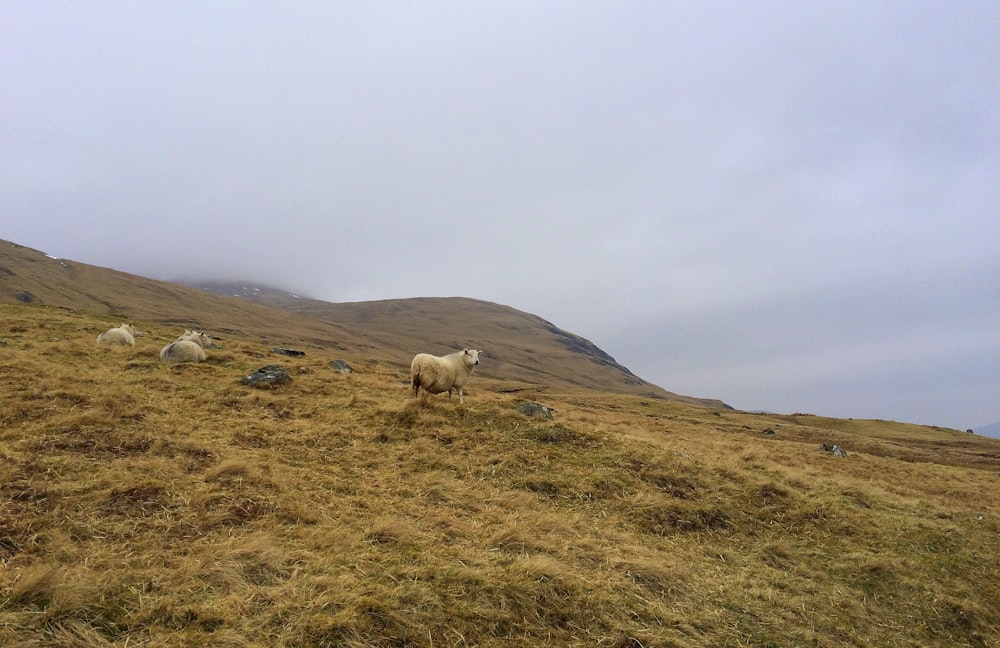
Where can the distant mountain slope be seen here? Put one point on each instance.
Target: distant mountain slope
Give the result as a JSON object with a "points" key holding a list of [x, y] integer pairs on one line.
{"points": [[991, 430], [522, 350], [517, 345]]}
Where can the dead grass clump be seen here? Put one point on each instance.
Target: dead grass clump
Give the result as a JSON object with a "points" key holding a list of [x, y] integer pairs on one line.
{"points": [[656, 575], [35, 585], [661, 516], [230, 469], [391, 530], [251, 439], [96, 442], [560, 435], [671, 483], [227, 510], [544, 591], [779, 555], [516, 539], [141, 499]]}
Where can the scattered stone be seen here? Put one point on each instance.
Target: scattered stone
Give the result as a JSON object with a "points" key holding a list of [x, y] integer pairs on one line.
{"points": [[837, 450], [769, 432], [288, 352], [267, 377], [971, 431], [341, 366], [532, 408], [25, 296]]}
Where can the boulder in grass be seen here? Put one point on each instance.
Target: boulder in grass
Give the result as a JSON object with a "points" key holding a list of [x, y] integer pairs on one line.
{"points": [[532, 408], [267, 377]]}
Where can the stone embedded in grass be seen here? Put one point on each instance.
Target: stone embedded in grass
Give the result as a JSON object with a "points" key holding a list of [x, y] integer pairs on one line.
{"points": [[341, 366], [267, 377], [288, 352], [838, 451], [532, 408]]}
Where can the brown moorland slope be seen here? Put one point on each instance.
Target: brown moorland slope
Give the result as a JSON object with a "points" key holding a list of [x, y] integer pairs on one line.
{"points": [[149, 505], [521, 350]]}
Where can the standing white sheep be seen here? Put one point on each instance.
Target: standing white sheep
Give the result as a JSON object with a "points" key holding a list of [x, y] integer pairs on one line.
{"points": [[436, 374], [189, 347], [122, 334]]}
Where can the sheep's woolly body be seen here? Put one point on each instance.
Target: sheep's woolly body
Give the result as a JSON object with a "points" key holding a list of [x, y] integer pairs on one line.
{"points": [[189, 347], [183, 351], [437, 374], [122, 334]]}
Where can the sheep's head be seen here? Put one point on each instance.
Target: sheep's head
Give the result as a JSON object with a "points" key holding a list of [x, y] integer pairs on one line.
{"points": [[471, 356]]}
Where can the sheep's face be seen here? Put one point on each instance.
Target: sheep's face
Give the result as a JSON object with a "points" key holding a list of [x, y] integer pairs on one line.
{"points": [[472, 356], [198, 337]]}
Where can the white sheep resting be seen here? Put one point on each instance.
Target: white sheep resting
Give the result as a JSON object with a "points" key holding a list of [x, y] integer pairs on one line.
{"points": [[189, 347], [201, 338], [123, 334], [436, 374]]}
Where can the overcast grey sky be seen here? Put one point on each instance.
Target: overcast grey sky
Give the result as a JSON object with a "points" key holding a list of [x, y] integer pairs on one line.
{"points": [[791, 206]]}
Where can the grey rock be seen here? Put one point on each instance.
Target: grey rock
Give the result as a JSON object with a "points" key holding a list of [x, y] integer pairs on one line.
{"points": [[267, 377], [341, 366], [838, 451], [532, 408]]}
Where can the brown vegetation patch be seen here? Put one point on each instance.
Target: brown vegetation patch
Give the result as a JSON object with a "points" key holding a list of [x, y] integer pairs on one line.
{"points": [[140, 499], [662, 517], [561, 435], [101, 443]]}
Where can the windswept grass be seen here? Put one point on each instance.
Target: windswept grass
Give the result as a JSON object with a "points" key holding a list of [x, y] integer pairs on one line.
{"points": [[142, 504]]}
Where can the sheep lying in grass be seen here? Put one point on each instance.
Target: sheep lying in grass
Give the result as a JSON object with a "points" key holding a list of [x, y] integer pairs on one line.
{"points": [[189, 347], [436, 374], [123, 334]]}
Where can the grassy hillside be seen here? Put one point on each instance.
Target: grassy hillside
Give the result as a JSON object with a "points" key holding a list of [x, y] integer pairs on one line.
{"points": [[518, 347], [148, 505]]}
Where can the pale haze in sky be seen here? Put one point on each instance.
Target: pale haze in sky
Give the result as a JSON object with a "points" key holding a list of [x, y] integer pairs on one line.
{"points": [[789, 206]]}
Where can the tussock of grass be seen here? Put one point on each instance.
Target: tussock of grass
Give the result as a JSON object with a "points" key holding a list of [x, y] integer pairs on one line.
{"points": [[142, 504]]}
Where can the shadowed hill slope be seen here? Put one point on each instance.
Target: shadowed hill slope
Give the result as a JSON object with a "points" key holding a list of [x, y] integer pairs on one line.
{"points": [[520, 350]]}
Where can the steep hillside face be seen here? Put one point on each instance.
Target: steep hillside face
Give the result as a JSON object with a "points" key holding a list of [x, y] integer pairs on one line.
{"points": [[521, 350], [516, 345]]}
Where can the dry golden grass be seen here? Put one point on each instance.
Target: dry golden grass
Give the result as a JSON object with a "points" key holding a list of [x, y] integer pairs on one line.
{"points": [[148, 505]]}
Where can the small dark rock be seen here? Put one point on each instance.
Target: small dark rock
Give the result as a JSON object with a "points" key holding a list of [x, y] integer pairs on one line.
{"points": [[267, 377], [769, 432], [288, 352], [25, 296], [341, 366], [971, 431], [532, 408]]}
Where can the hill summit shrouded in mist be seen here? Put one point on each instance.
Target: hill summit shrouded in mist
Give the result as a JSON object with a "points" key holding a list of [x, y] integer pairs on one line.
{"points": [[174, 505], [519, 347]]}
